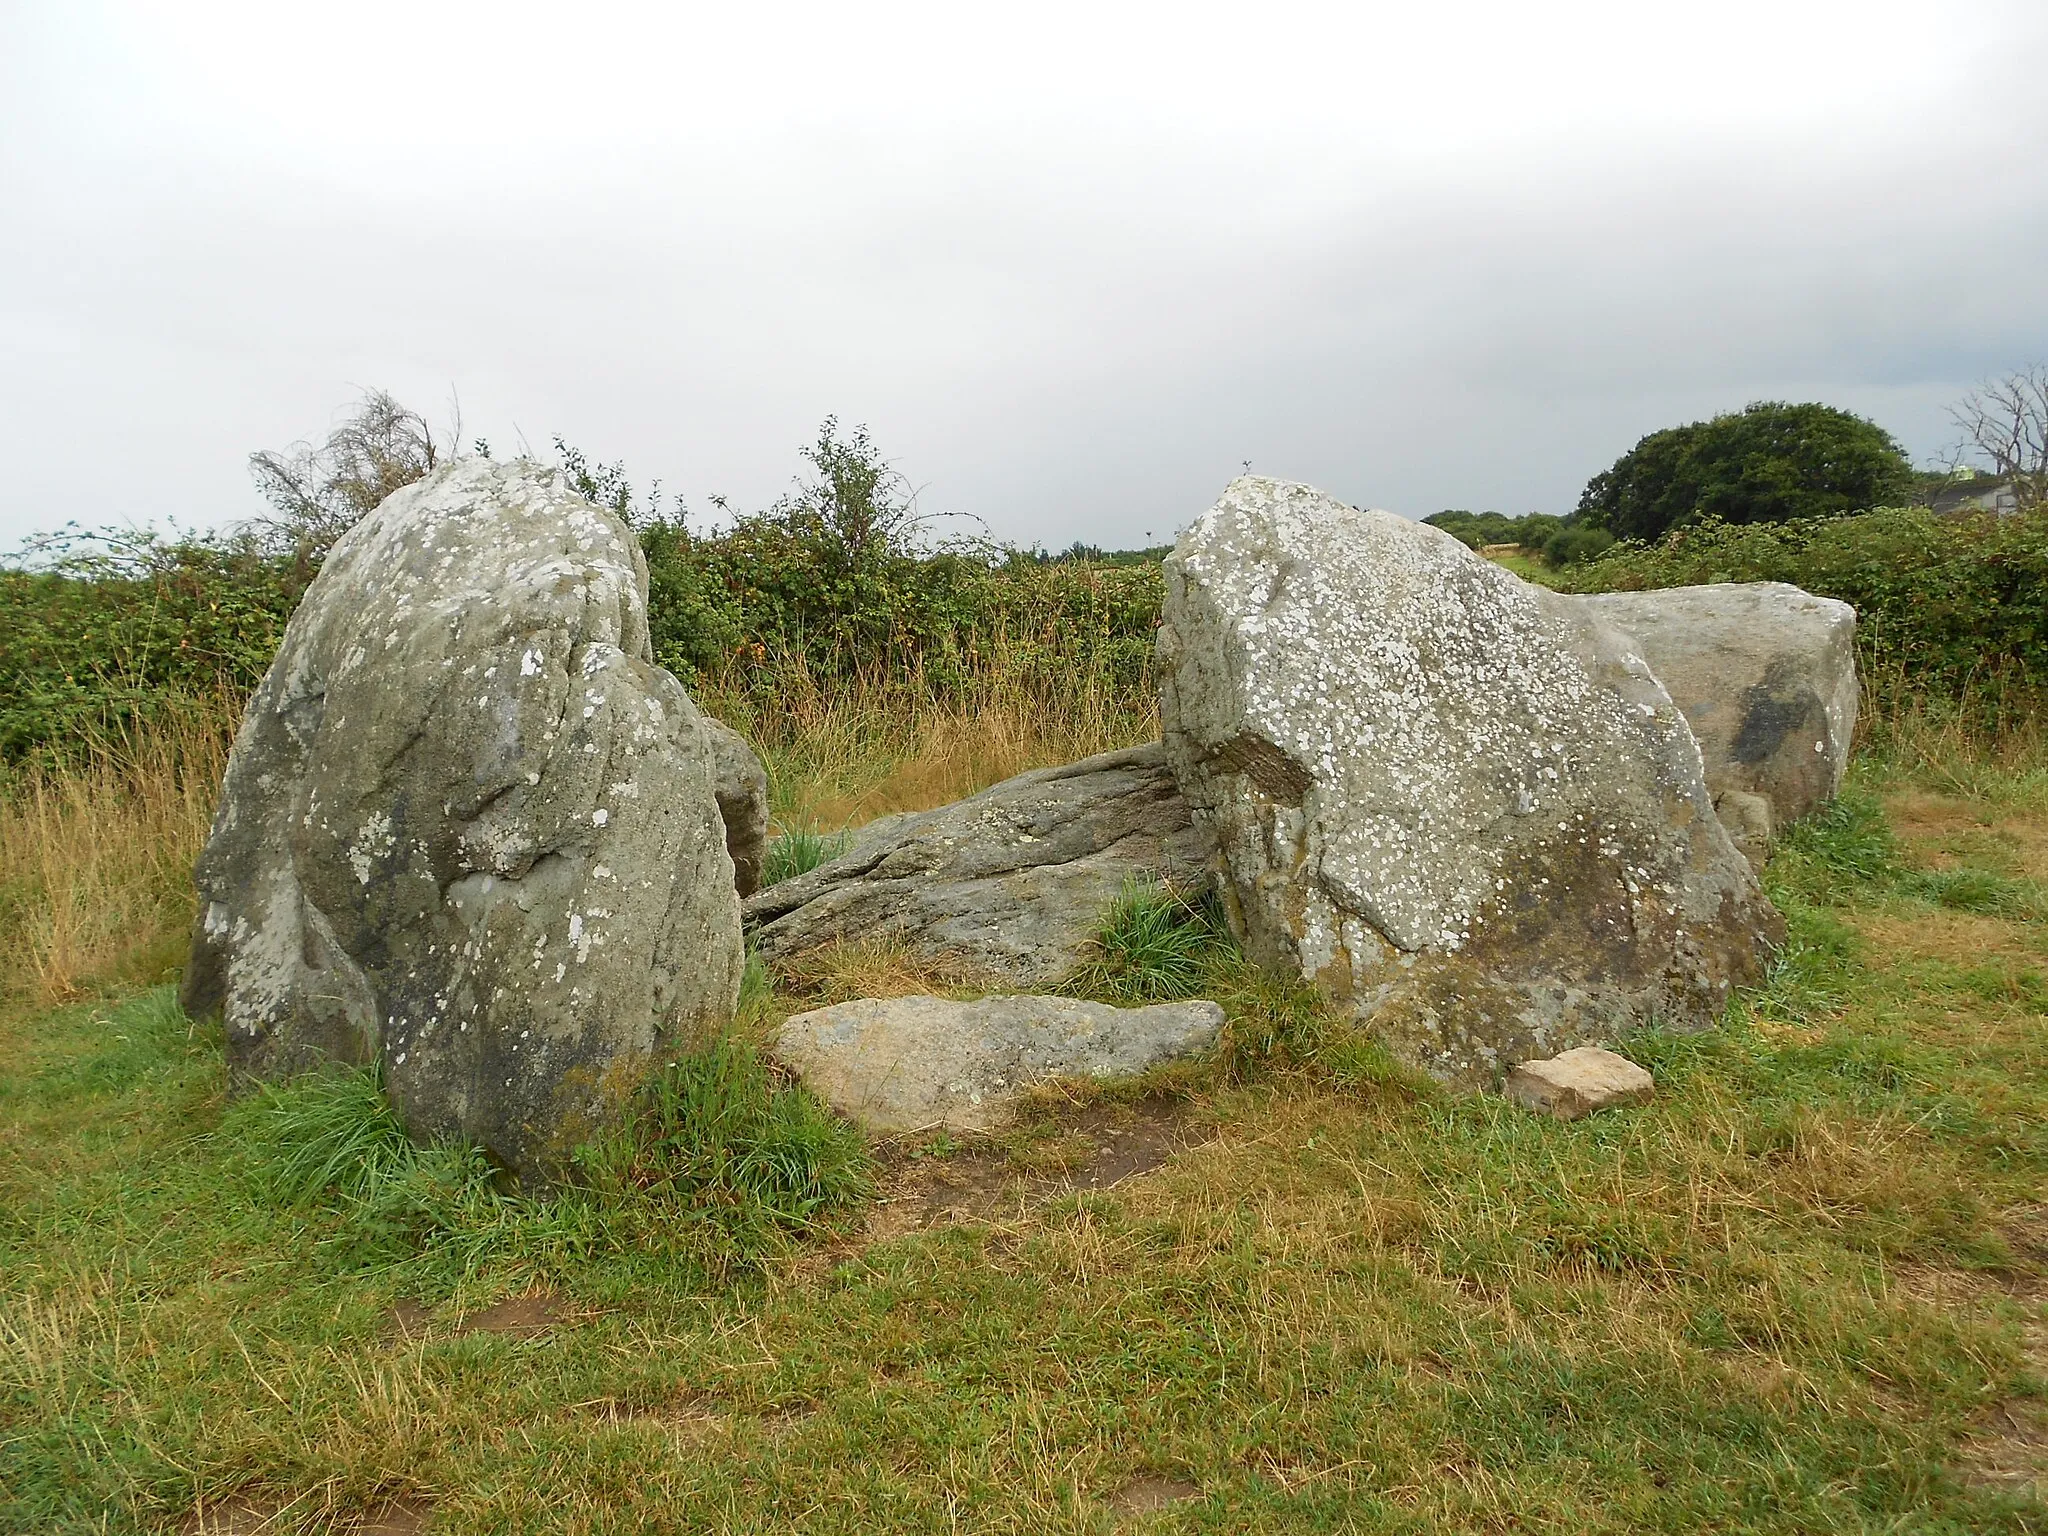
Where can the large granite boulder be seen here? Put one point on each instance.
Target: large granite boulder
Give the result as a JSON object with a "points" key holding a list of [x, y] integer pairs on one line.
{"points": [[909, 1063], [469, 831], [1766, 676], [1460, 804], [1012, 882]]}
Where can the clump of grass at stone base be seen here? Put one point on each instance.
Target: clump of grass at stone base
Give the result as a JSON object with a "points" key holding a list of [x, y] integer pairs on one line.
{"points": [[726, 1162]]}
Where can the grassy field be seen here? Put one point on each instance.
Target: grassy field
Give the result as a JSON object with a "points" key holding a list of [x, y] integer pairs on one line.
{"points": [[1804, 1290]]}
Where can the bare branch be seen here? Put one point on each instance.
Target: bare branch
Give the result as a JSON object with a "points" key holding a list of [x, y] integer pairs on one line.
{"points": [[2005, 422]]}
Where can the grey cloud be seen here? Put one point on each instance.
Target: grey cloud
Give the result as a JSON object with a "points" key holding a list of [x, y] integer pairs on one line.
{"points": [[1069, 344]]}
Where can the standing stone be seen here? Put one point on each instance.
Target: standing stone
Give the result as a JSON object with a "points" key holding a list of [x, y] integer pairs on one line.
{"points": [[469, 830], [1456, 802], [1013, 882], [1766, 676]]}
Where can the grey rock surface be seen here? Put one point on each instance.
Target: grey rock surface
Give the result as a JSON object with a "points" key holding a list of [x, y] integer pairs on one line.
{"points": [[469, 831], [1458, 803], [1579, 1083], [909, 1063], [741, 786], [1012, 882], [1766, 676]]}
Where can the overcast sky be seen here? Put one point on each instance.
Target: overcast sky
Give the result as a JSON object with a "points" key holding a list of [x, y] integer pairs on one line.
{"points": [[1073, 264]]}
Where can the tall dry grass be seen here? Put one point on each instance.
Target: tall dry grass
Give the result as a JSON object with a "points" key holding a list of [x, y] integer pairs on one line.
{"points": [[1990, 741], [96, 858], [841, 753], [96, 855]]}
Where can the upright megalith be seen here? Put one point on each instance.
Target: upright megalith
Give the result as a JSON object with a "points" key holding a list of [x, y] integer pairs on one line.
{"points": [[1458, 803], [469, 831]]}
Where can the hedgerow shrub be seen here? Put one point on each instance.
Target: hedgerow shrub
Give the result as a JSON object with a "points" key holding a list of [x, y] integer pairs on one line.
{"points": [[105, 644], [1944, 604]]}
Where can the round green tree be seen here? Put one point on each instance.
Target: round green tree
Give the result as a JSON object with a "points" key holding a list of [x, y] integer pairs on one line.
{"points": [[1767, 464]]}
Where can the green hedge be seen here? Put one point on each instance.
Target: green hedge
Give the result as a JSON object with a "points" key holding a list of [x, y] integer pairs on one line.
{"points": [[108, 645], [1943, 603], [760, 593]]}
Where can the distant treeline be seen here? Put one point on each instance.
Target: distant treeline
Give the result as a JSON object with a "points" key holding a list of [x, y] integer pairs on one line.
{"points": [[1554, 540]]}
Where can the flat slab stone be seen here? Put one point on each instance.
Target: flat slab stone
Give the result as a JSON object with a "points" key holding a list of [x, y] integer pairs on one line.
{"points": [[1013, 882], [910, 1063], [1579, 1083]]}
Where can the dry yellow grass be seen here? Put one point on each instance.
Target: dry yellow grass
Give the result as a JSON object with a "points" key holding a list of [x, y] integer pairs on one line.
{"points": [[840, 754], [96, 861]]}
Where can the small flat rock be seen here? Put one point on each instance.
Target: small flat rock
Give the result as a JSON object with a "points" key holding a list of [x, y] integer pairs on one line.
{"points": [[908, 1063], [1579, 1083]]}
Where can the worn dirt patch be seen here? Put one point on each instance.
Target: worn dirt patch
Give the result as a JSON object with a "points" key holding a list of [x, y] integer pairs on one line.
{"points": [[242, 1514], [249, 1514], [1096, 1147], [405, 1515], [1943, 832], [1959, 938], [1144, 1495], [523, 1316], [2008, 1449], [406, 1321], [690, 1413]]}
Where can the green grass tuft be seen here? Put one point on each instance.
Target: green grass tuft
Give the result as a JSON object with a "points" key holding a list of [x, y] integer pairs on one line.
{"points": [[1846, 840], [724, 1138], [799, 852], [1156, 945]]}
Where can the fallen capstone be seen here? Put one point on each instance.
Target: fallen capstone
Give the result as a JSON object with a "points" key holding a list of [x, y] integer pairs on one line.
{"points": [[1459, 804], [1012, 883], [1766, 676], [1579, 1083], [469, 831], [912, 1063]]}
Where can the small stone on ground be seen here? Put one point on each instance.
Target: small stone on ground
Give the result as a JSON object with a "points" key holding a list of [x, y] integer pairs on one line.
{"points": [[1579, 1083]]}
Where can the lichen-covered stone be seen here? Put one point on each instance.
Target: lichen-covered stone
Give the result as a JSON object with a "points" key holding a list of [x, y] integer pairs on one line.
{"points": [[909, 1063], [469, 830], [1012, 882], [1457, 802], [1766, 676]]}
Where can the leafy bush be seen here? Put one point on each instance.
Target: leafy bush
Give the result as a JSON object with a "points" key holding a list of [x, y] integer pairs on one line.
{"points": [[1769, 463], [1476, 530], [1944, 604], [109, 639], [1576, 545]]}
